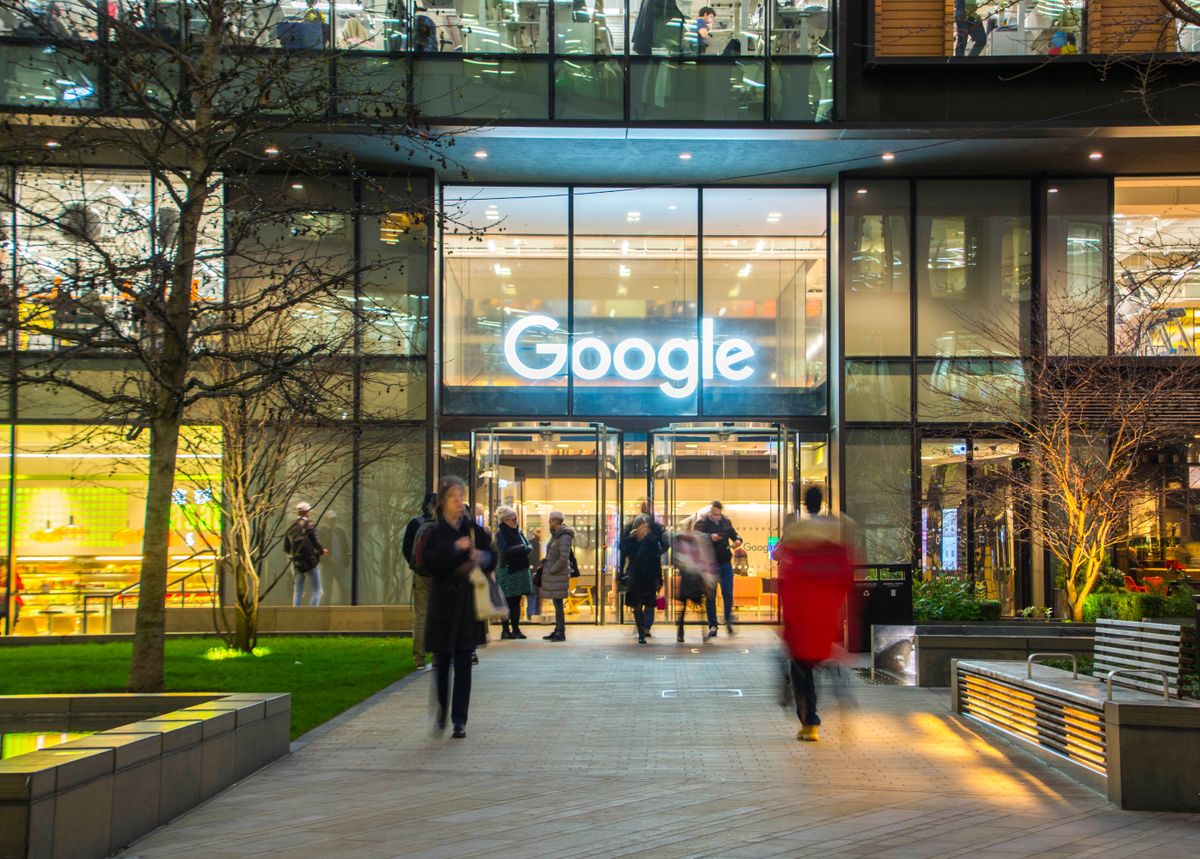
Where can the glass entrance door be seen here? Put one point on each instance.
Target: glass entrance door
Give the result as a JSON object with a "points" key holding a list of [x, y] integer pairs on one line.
{"points": [[755, 472], [573, 469]]}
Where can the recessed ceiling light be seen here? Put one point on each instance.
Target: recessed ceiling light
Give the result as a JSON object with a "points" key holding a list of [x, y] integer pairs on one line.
{"points": [[479, 153], [1096, 156], [861, 191], [271, 151], [685, 156], [633, 217], [297, 187], [672, 207], [1052, 191], [889, 156], [52, 144]]}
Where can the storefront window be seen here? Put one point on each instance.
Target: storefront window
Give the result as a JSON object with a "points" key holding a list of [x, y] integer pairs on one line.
{"points": [[954, 390], [79, 520], [878, 391], [1076, 272], [877, 269], [996, 542], [973, 287], [635, 347], [944, 506], [391, 488], [505, 300], [765, 265], [1157, 280], [878, 493], [395, 270]]}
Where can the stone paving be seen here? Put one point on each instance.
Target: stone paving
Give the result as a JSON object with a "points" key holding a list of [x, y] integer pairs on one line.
{"points": [[599, 747]]}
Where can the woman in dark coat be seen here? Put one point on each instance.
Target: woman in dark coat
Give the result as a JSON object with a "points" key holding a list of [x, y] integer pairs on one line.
{"points": [[513, 573], [454, 547], [642, 551]]}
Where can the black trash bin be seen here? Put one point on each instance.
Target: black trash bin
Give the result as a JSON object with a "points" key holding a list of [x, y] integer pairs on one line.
{"points": [[882, 594]]}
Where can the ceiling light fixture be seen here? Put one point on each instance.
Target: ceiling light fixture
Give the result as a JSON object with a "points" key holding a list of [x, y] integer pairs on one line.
{"points": [[479, 153], [685, 156], [52, 144], [861, 191], [889, 156], [297, 187], [271, 151], [1052, 191], [1096, 156]]}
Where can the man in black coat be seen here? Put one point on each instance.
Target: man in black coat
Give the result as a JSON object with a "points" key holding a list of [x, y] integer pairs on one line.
{"points": [[420, 586], [724, 539], [657, 532]]}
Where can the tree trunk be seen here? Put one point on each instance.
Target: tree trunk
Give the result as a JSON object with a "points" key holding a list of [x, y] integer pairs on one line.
{"points": [[146, 667]]}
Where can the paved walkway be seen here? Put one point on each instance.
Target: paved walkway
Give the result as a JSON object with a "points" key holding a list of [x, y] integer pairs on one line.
{"points": [[599, 747]]}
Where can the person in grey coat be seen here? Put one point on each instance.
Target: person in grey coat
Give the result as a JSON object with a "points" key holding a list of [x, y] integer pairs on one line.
{"points": [[556, 572]]}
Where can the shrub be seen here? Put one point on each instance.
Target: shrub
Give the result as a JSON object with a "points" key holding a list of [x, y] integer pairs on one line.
{"points": [[951, 598], [1136, 606], [989, 610]]}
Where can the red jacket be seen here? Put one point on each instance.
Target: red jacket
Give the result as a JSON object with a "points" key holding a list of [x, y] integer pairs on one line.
{"points": [[816, 571]]}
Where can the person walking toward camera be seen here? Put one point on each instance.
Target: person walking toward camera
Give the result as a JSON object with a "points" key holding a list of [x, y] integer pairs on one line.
{"points": [[725, 539], [513, 573], [816, 572], [556, 572], [306, 551], [642, 551], [420, 587], [454, 547]]}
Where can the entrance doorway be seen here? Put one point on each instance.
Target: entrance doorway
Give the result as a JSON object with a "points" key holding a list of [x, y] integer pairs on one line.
{"points": [[572, 468], [756, 472]]}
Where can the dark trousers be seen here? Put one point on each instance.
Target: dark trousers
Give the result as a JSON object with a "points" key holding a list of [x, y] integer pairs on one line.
{"points": [[461, 660], [642, 609], [513, 622], [804, 684], [560, 617]]}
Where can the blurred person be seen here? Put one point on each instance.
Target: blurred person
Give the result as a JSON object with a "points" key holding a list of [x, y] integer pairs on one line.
{"points": [[724, 539], [420, 583], [642, 552], [513, 573], [533, 605], [816, 572], [693, 557], [306, 552], [556, 572], [454, 547]]}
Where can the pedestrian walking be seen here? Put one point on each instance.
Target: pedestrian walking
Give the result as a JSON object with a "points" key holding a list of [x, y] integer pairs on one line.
{"points": [[656, 531], [513, 573], [454, 546], [816, 572], [725, 540], [556, 572], [533, 605], [306, 551], [693, 558], [642, 551], [420, 583]]}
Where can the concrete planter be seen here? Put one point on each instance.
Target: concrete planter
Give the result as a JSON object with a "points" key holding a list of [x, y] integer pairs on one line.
{"points": [[91, 797]]}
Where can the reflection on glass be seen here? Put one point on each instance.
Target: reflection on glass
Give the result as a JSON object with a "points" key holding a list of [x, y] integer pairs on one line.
{"points": [[391, 488], [943, 506], [801, 27], [995, 539], [697, 91], [764, 282], [877, 268], [505, 300], [394, 239], [489, 26], [878, 391], [589, 27], [1157, 289], [878, 493], [635, 337], [466, 87], [998, 28], [658, 28], [45, 77], [802, 91], [1076, 270], [974, 284], [589, 89], [952, 389]]}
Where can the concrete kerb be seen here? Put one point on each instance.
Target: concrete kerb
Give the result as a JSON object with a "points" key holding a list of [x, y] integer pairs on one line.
{"points": [[362, 706]]}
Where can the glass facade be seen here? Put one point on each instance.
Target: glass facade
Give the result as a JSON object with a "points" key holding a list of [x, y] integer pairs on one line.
{"points": [[663, 315]]}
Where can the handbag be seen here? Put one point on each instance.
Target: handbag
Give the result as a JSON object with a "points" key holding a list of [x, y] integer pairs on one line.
{"points": [[489, 599], [661, 603]]}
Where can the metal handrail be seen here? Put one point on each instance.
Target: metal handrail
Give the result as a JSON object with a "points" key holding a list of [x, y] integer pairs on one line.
{"points": [[1074, 663], [1165, 679]]}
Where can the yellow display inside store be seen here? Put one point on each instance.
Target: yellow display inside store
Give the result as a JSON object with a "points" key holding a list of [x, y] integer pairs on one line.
{"points": [[76, 543]]}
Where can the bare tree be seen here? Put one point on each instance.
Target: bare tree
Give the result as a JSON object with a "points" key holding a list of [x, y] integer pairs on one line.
{"points": [[240, 185]]}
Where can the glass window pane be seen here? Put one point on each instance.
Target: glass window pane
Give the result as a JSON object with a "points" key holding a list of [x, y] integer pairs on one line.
{"points": [[46, 77], [956, 390], [765, 287], [463, 87], [996, 542], [393, 390], [1156, 233], [802, 90], [392, 484], [802, 29], [1076, 270], [394, 279], [589, 89], [973, 287], [659, 28], [505, 300], [879, 493], [482, 27], [717, 89], [878, 391], [943, 506], [877, 268], [589, 27], [635, 338]]}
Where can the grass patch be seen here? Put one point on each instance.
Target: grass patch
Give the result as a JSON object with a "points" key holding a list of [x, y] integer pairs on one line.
{"points": [[325, 675]]}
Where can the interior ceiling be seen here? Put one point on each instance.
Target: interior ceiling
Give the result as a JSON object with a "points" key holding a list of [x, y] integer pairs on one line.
{"points": [[779, 156]]}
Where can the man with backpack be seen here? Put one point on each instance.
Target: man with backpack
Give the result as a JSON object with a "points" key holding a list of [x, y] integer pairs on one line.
{"points": [[420, 592], [306, 551]]}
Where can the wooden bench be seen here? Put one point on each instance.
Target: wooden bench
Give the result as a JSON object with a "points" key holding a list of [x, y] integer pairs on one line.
{"points": [[1125, 729]]}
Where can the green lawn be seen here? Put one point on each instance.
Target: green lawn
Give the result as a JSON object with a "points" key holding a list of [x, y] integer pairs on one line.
{"points": [[325, 675]]}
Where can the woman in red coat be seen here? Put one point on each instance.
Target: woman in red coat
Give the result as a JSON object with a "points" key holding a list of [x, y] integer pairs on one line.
{"points": [[816, 571]]}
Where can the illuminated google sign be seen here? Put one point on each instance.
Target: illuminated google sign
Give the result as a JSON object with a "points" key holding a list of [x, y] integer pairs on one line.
{"points": [[683, 362]]}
